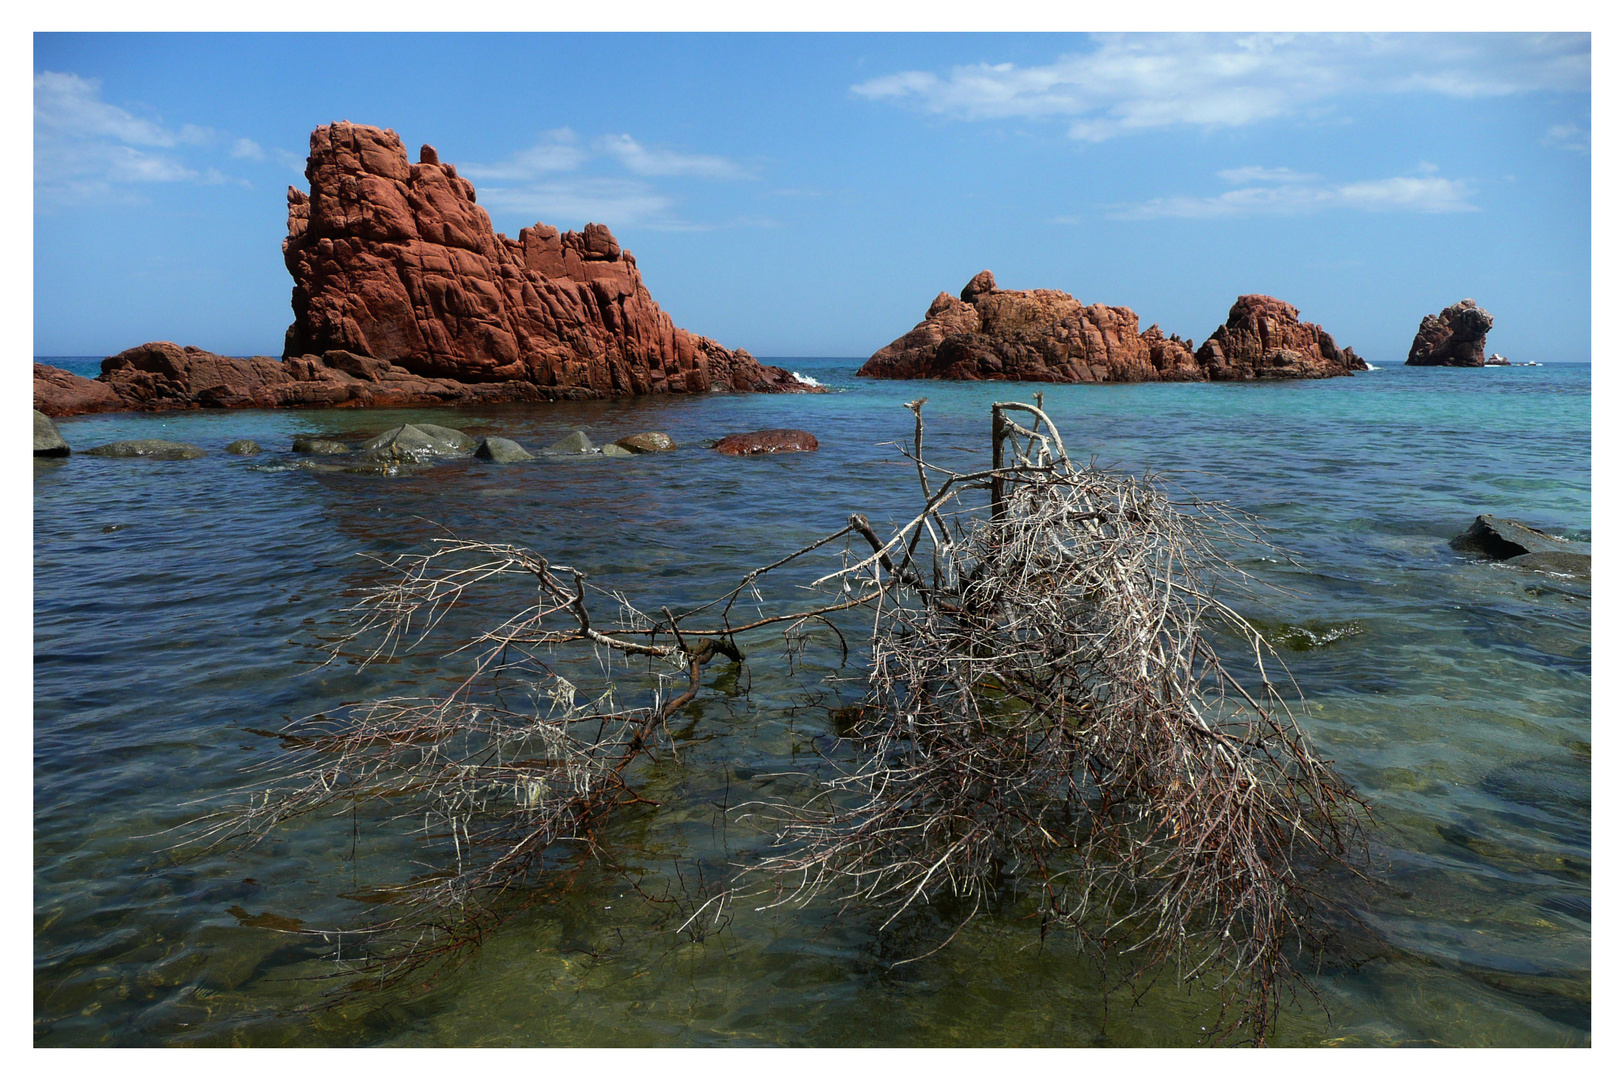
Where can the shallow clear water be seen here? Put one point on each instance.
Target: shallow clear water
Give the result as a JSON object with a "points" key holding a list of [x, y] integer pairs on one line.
{"points": [[178, 604]]}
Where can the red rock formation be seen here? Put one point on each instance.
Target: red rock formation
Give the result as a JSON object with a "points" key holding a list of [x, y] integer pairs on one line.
{"points": [[1042, 335], [1264, 339], [404, 294], [1038, 335], [770, 441], [397, 262], [1453, 338]]}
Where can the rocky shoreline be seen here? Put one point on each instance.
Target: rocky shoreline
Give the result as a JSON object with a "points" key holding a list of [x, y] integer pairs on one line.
{"points": [[1043, 335]]}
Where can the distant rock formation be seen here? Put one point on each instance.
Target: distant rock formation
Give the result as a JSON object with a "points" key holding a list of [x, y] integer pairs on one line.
{"points": [[1036, 335], [1042, 335], [403, 293], [1263, 338], [1453, 338]]}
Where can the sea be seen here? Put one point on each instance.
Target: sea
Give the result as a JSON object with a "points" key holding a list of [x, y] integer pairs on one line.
{"points": [[182, 611]]}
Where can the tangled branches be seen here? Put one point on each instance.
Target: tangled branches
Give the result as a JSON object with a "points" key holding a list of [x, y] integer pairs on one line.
{"points": [[1046, 715], [1051, 713]]}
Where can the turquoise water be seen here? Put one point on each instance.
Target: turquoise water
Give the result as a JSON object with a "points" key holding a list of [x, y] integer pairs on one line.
{"points": [[179, 605]]}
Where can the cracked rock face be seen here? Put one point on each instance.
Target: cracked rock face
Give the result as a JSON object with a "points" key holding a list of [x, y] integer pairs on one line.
{"points": [[395, 261], [1453, 338], [1042, 335]]}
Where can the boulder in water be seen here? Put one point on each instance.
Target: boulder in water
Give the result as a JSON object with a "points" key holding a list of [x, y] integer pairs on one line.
{"points": [[48, 441], [156, 449], [413, 443], [648, 442], [613, 449], [311, 445], [1453, 338], [244, 448], [501, 451], [1517, 544], [770, 441], [576, 443]]}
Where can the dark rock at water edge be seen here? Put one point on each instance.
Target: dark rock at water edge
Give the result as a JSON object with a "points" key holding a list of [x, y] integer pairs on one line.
{"points": [[769, 441], [311, 445], [1453, 338], [501, 451], [156, 449], [244, 448], [1523, 546], [48, 441]]}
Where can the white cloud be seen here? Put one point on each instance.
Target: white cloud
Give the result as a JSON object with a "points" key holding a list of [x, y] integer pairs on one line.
{"points": [[639, 159], [1568, 137], [1286, 192], [557, 151], [247, 148], [613, 202], [88, 150], [1140, 82]]}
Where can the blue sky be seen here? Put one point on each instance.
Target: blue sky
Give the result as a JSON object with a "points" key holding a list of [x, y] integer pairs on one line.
{"points": [[808, 195]]}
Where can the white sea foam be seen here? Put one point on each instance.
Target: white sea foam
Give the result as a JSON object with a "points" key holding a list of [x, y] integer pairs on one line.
{"points": [[1374, 367], [807, 380]]}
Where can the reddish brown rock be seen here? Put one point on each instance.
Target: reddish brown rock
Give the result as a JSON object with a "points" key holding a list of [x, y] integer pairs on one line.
{"points": [[396, 262], [1264, 339], [770, 441], [404, 294], [1042, 335], [62, 393], [1453, 338], [1037, 335]]}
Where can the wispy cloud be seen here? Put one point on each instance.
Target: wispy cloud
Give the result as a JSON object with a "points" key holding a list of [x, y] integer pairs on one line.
{"points": [[1568, 137], [86, 149], [247, 148], [1140, 82], [1284, 192], [618, 202], [534, 182]]}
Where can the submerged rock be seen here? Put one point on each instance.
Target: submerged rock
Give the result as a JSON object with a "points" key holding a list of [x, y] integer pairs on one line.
{"points": [[48, 441], [1517, 544], [648, 442], [156, 449], [415, 443], [244, 448], [615, 450], [1453, 338], [576, 443], [770, 441], [501, 451], [313, 445]]}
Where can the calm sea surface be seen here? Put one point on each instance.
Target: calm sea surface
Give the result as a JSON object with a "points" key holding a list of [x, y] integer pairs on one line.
{"points": [[177, 605]]}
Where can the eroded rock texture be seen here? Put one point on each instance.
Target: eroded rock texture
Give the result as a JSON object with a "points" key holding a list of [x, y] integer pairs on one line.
{"points": [[1263, 338], [1037, 335], [1042, 335], [1453, 338], [404, 294]]}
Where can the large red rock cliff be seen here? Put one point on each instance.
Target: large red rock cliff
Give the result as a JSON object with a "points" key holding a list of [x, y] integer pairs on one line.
{"points": [[404, 293], [1453, 338], [1042, 335]]}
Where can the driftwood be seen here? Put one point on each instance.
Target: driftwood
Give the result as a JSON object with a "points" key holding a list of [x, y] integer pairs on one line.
{"points": [[1045, 712]]}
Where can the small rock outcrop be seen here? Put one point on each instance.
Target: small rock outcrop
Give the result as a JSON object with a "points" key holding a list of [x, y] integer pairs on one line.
{"points": [[576, 442], [1520, 545], [156, 449], [1263, 338], [313, 445], [244, 448], [48, 441], [417, 444], [1043, 335], [1453, 338], [769, 441]]}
